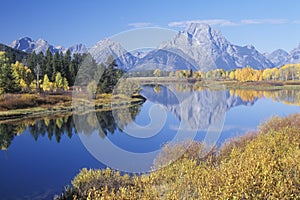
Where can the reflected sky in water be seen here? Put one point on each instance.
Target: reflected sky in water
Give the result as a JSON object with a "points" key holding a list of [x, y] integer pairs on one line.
{"points": [[40, 157]]}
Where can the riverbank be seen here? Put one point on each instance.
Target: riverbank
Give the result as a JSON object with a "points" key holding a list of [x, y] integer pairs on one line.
{"points": [[217, 83], [263, 85], [19, 106], [259, 165]]}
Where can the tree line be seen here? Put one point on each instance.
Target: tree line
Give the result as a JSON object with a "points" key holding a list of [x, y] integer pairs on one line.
{"points": [[55, 72], [246, 74], [39, 72]]}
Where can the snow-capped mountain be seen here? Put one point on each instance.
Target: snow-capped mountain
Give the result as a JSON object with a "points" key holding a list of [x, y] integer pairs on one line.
{"points": [[198, 47], [28, 45], [294, 56], [278, 57], [25, 44], [165, 60], [78, 48], [106, 47], [208, 49]]}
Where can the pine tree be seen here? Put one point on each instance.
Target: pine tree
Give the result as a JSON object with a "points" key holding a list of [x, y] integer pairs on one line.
{"points": [[71, 75], [56, 65], [66, 65], [8, 80], [48, 63], [62, 69], [110, 76], [32, 61], [86, 71]]}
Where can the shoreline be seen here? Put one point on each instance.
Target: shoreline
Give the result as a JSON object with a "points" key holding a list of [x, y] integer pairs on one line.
{"points": [[57, 110], [53, 105], [230, 84]]}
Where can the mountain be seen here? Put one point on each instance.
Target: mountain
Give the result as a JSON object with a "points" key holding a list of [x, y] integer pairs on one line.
{"points": [[278, 57], [13, 54], [198, 47], [206, 48], [25, 44], [106, 47], [28, 45], [78, 48], [164, 60], [294, 56]]}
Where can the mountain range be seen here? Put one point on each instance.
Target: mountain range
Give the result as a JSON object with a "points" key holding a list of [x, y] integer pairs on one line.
{"points": [[280, 57], [198, 47], [28, 45]]}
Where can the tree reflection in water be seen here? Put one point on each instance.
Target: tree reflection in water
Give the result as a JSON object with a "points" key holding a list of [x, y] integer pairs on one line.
{"points": [[107, 122], [56, 127]]}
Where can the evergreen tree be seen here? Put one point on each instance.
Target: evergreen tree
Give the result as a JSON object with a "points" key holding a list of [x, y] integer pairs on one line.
{"points": [[72, 74], [66, 65], [56, 65], [32, 61], [62, 69], [86, 71], [48, 63], [110, 76], [41, 59], [8, 79]]}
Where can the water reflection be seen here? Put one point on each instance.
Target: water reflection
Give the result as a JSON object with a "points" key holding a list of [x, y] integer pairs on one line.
{"points": [[198, 106], [56, 127], [50, 127], [288, 97]]}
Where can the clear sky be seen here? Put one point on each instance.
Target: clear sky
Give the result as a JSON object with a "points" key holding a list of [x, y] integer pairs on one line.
{"points": [[266, 24]]}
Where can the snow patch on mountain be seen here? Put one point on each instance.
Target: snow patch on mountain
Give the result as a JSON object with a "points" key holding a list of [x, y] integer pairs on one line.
{"points": [[210, 50], [278, 57], [28, 45], [107, 47]]}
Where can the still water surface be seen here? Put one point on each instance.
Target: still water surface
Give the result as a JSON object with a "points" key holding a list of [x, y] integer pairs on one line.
{"points": [[39, 157]]}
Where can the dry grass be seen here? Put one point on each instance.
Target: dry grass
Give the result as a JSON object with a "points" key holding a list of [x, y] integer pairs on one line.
{"points": [[262, 165]]}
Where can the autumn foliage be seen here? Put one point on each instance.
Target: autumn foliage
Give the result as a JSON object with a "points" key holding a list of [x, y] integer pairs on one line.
{"points": [[260, 165], [245, 74]]}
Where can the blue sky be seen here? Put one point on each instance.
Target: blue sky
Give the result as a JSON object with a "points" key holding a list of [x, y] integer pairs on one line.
{"points": [[266, 24]]}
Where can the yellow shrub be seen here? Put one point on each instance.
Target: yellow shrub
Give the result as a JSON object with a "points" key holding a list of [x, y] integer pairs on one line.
{"points": [[263, 165]]}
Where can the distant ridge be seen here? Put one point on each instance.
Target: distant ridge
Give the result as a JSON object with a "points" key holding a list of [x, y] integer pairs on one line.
{"points": [[198, 47], [14, 54], [28, 45]]}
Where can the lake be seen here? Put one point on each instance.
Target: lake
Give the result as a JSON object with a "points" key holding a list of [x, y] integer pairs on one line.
{"points": [[40, 156]]}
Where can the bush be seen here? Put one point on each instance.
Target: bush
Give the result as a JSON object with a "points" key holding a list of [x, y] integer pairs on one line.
{"points": [[262, 165], [20, 101], [17, 101]]}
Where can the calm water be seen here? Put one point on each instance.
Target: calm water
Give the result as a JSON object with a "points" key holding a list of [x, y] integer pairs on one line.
{"points": [[39, 157]]}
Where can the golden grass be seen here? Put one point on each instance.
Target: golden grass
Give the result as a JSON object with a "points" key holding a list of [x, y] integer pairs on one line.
{"points": [[262, 165]]}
